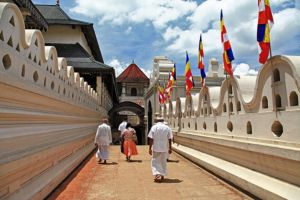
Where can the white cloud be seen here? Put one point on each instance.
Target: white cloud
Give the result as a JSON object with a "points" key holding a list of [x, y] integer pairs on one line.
{"points": [[243, 69], [116, 64], [147, 72], [171, 33], [129, 29], [160, 13], [120, 67], [241, 24]]}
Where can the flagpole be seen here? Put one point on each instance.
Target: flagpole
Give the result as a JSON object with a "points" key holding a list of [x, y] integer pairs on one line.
{"points": [[273, 86], [227, 96]]}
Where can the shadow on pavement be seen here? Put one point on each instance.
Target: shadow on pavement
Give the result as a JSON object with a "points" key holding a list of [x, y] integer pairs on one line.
{"points": [[109, 163], [175, 161], [170, 180], [139, 161]]}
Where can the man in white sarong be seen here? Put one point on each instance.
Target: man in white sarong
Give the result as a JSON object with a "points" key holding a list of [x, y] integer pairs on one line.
{"points": [[122, 128], [160, 141], [103, 139]]}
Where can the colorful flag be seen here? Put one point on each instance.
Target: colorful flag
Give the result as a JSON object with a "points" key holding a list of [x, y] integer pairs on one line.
{"points": [[172, 79], [227, 51], [161, 95], [200, 61], [188, 75], [264, 25]]}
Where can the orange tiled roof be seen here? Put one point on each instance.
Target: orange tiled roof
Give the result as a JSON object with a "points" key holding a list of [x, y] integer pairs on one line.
{"points": [[132, 74]]}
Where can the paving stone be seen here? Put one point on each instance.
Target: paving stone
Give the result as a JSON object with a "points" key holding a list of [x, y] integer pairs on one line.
{"points": [[122, 180]]}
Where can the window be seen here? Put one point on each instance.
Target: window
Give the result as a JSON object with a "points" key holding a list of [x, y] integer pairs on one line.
{"points": [[230, 90], [294, 99], [229, 126], [277, 128], [276, 75], [224, 108], [264, 102], [204, 126], [278, 101], [230, 107], [249, 128], [238, 106], [133, 92], [215, 127]]}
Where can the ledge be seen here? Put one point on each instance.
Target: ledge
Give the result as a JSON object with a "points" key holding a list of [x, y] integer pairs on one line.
{"points": [[256, 183]]}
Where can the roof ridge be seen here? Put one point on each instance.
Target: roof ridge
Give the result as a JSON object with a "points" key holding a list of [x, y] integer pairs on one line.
{"points": [[127, 74]]}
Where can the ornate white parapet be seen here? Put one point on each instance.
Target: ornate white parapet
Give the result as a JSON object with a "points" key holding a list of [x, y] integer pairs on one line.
{"points": [[247, 124], [48, 113]]}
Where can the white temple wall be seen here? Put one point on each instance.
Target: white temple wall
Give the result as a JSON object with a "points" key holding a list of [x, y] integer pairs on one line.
{"points": [[258, 136], [49, 115]]}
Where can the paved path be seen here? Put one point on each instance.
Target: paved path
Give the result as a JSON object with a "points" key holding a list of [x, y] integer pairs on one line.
{"points": [[122, 180]]}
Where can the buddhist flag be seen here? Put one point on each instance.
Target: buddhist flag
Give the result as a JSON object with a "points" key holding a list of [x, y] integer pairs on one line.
{"points": [[172, 79], [264, 25], [200, 61], [161, 95], [188, 75], [227, 51]]}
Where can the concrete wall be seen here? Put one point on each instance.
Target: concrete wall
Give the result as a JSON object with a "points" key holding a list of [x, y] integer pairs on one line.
{"points": [[48, 114], [247, 125]]}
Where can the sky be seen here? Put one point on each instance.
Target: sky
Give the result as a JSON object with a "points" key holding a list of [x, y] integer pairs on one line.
{"points": [[141, 29]]}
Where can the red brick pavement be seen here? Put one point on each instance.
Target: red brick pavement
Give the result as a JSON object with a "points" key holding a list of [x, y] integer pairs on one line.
{"points": [[122, 180]]}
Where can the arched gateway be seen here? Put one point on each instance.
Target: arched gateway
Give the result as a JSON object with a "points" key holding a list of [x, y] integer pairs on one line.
{"points": [[115, 120]]}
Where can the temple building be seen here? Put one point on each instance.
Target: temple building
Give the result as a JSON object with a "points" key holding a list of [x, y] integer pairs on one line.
{"points": [[132, 85], [76, 41]]}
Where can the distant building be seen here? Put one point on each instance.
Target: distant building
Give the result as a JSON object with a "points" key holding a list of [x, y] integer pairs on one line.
{"points": [[132, 85], [162, 67]]}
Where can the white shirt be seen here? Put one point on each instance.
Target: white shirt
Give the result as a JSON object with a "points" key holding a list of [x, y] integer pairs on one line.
{"points": [[160, 133], [122, 127], [103, 135]]}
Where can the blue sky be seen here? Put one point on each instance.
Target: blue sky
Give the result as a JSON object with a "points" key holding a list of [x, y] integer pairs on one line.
{"points": [[140, 30]]}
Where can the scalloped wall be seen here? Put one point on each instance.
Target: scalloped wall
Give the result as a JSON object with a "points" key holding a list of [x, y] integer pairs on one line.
{"points": [[49, 114]]}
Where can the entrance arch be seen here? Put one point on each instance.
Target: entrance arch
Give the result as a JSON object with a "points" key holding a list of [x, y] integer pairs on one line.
{"points": [[134, 108]]}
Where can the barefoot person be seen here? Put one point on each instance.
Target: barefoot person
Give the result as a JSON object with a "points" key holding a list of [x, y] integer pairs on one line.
{"points": [[130, 139], [102, 140], [160, 138]]}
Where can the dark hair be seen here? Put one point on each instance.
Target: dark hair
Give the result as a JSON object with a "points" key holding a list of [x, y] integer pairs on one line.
{"points": [[128, 125]]}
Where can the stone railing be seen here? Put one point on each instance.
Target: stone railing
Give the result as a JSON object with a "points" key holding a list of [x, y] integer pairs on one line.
{"points": [[48, 113], [249, 124]]}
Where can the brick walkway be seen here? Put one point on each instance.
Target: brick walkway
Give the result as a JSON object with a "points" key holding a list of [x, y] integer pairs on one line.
{"points": [[122, 180]]}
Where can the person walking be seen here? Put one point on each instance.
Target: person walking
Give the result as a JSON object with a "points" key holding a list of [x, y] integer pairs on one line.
{"points": [[102, 141], [130, 140], [160, 141], [122, 128]]}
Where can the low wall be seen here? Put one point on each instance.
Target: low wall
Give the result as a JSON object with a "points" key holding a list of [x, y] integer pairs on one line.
{"points": [[48, 114], [268, 170]]}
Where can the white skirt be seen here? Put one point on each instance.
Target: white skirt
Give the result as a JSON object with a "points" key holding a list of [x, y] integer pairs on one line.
{"points": [[102, 152], [159, 163]]}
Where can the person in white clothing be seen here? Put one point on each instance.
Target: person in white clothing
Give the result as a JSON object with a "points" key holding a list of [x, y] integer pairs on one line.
{"points": [[103, 139], [160, 141], [122, 128]]}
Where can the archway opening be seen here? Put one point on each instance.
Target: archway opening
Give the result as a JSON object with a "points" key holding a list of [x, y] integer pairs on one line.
{"points": [[264, 102], [294, 99]]}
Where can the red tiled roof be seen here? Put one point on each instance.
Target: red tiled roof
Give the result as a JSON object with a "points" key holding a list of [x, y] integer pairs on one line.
{"points": [[132, 74]]}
